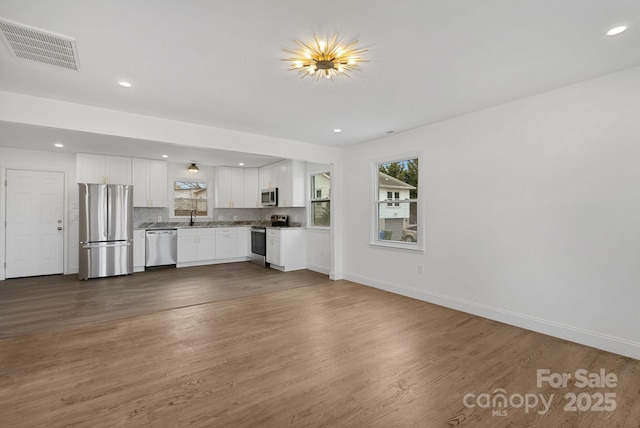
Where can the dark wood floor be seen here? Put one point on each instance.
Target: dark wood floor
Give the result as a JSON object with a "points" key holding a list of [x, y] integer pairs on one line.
{"points": [[41, 303], [306, 352]]}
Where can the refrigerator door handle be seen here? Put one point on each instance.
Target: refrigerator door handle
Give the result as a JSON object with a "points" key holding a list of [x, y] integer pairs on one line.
{"points": [[86, 245]]}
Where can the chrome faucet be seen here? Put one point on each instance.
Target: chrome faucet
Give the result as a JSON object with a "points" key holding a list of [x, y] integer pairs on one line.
{"points": [[192, 217]]}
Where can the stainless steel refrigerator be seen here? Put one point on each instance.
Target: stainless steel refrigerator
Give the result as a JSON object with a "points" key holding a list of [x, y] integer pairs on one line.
{"points": [[106, 230]]}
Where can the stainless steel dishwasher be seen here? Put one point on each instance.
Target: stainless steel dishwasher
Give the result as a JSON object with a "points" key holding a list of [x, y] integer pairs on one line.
{"points": [[161, 247]]}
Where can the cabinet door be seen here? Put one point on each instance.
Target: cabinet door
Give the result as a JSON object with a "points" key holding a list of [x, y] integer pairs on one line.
{"points": [[237, 188], [298, 173], [282, 178], [140, 181], [90, 168], [266, 177], [251, 188], [187, 245], [226, 243], [118, 170], [157, 183], [138, 248], [244, 242], [223, 187], [206, 244], [273, 247]]}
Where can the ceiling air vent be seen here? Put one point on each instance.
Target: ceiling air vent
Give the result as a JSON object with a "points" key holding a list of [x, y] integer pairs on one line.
{"points": [[38, 45]]}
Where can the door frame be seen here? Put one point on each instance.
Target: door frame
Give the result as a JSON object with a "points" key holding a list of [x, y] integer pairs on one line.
{"points": [[3, 214]]}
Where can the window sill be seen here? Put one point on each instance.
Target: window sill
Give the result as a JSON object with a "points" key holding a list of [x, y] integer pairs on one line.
{"points": [[320, 228], [397, 246]]}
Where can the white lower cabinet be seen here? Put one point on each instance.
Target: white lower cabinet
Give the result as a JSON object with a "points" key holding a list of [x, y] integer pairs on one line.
{"points": [[208, 245], [139, 250], [227, 243], [196, 245], [286, 249], [244, 241]]}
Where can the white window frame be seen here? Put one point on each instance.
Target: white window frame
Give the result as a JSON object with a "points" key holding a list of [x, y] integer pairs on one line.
{"points": [[313, 199], [375, 241], [172, 213]]}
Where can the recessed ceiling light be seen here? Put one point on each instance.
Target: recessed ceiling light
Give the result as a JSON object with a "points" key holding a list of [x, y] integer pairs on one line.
{"points": [[241, 164], [124, 84], [337, 130], [616, 30], [59, 145], [165, 156]]}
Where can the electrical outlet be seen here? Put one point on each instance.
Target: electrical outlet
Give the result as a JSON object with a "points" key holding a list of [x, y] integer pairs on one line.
{"points": [[420, 270], [220, 218], [235, 217], [159, 218]]}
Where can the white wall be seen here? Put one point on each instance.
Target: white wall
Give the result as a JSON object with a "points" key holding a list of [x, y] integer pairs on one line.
{"points": [[531, 213], [44, 161]]}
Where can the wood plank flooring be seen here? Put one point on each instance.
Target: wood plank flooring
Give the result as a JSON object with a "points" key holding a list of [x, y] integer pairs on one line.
{"points": [[33, 304], [312, 353]]}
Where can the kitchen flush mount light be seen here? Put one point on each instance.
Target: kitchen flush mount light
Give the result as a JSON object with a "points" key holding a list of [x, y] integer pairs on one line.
{"points": [[165, 156], [241, 164], [124, 84], [193, 168], [337, 130], [59, 145], [325, 58], [616, 30]]}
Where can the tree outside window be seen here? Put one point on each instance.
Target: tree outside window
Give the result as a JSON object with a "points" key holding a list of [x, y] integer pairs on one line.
{"points": [[397, 221]]}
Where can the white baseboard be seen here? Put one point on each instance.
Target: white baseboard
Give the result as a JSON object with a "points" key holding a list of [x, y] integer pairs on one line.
{"points": [[608, 343], [318, 268], [212, 262]]}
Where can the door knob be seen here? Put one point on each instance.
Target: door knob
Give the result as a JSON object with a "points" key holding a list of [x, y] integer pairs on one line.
{"points": [[59, 228]]}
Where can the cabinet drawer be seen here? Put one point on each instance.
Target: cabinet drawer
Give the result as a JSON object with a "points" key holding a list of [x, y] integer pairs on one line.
{"points": [[226, 231]]}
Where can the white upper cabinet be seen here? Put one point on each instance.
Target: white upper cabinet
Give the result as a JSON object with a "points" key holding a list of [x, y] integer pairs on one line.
{"points": [[229, 187], [252, 188], [266, 177], [103, 169], [150, 185], [289, 178]]}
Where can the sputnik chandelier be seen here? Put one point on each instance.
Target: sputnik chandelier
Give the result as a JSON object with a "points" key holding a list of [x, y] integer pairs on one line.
{"points": [[325, 59]]}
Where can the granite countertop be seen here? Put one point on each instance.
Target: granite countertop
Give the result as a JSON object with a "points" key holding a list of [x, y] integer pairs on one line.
{"points": [[185, 224]]}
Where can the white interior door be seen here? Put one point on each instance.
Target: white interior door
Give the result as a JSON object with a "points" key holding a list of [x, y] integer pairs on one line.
{"points": [[34, 229]]}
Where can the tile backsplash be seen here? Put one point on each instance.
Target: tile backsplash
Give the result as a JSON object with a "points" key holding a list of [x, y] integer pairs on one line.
{"points": [[297, 216]]}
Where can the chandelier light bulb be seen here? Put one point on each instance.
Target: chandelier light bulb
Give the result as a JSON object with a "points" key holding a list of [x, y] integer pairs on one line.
{"points": [[330, 55]]}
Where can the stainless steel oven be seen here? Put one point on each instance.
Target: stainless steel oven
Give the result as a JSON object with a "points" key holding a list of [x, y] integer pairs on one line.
{"points": [[259, 245]]}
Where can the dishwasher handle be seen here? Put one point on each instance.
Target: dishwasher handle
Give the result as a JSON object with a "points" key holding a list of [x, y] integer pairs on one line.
{"points": [[162, 232]]}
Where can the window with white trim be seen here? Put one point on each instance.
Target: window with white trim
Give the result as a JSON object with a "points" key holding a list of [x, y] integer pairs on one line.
{"points": [[320, 203], [188, 196], [396, 204]]}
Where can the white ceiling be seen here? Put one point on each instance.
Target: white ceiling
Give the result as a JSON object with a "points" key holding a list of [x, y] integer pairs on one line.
{"points": [[218, 62]]}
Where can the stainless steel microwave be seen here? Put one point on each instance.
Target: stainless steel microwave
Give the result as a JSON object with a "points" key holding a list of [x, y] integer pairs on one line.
{"points": [[269, 197]]}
